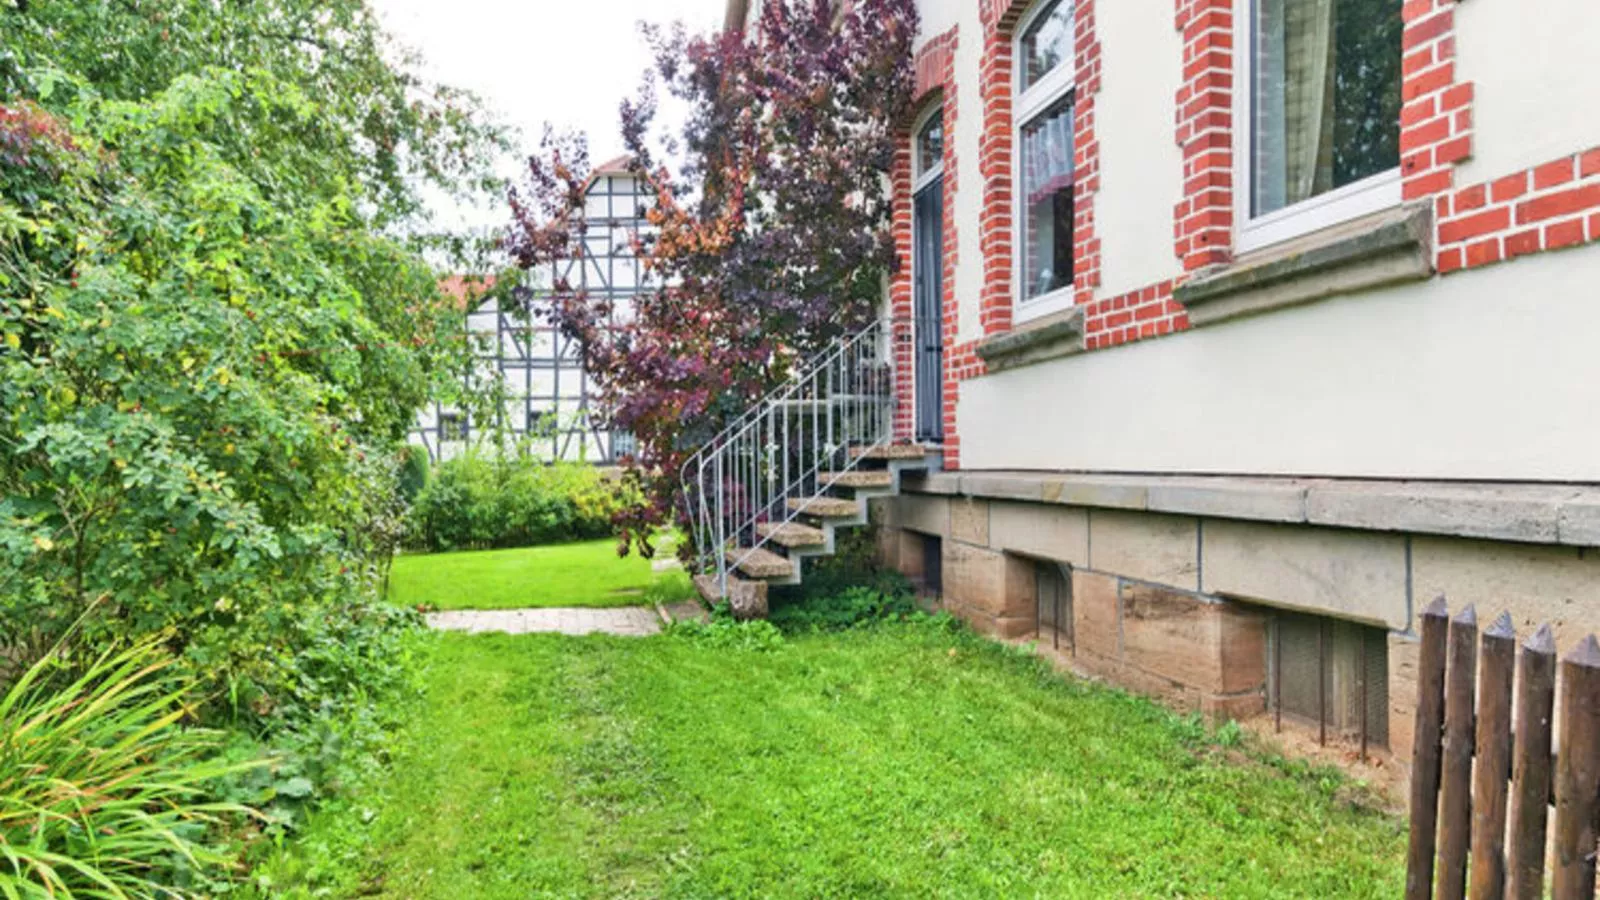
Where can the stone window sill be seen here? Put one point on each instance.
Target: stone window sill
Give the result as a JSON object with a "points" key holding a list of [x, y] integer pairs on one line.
{"points": [[1390, 247], [1050, 337]]}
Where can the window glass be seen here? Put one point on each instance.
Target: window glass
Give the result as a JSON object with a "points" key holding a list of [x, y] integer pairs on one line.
{"points": [[930, 145], [1047, 169], [1046, 44], [1326, 96]]}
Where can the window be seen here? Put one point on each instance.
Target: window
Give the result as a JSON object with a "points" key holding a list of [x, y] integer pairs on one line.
{"points": [[1053, 603], [1322, 116], [541, 423], [1330, 675], [1044, 140], [930, 149], [452, 426]]}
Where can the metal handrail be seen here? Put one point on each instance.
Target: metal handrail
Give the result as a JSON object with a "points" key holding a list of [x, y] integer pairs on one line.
{"points": [[776, 451]]}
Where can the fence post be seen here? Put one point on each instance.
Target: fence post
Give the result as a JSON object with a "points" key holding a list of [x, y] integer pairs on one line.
{"points": [[1455, 780], [1425, 752], [1496, 662], [1530, 782], [1578, 772]]}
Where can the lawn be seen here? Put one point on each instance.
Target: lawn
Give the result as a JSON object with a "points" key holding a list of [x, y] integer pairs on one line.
{"points": [[906, 760], [584, 574]]}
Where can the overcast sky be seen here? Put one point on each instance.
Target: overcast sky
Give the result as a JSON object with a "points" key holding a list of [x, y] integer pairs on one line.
{"points": [[567, 62]]}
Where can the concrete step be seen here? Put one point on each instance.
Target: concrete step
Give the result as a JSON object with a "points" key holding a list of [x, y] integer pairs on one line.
{"points": [[761, 563], [860, 478], [892, 452], [792, 535], [826, 507]]}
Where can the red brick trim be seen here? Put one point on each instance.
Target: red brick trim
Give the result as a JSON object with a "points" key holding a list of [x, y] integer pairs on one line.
{"points": [[1086, 157], [997, 219], [935, 71], [1547, 207], [1436, 113], [935, 66], [903, 348], [1144, 313], [1203, 219]]}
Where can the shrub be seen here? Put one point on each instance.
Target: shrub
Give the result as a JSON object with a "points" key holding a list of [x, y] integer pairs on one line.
{"points": [[413, 472], [846, 609], [103, 792], [476, 502]]}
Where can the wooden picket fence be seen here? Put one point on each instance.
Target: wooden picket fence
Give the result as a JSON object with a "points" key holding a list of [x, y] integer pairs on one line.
{"points": [[1464, 821]]}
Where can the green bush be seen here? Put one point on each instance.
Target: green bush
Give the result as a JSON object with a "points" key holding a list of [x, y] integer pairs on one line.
{"points": [[846, 609], [479, 503], [103, 792], [413, 472]]}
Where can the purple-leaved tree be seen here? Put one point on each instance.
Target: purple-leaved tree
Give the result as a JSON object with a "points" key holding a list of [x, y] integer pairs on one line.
{"points": [[771, 228]]}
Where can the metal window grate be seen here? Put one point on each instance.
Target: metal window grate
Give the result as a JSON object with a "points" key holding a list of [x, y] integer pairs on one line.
{"points": [[1053, 612], [1331, 674]]}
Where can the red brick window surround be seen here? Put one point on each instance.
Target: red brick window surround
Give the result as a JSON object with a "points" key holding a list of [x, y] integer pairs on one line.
{"points": [[1000, 218], [934, 66]]}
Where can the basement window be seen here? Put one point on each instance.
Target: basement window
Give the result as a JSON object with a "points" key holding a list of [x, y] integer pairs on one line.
{"points": [[933, 564], [1331, 675], [1053, 613]]}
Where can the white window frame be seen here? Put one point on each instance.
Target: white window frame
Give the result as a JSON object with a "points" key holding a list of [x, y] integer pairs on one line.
{"points": [[922, 178], [1056, 84], [1370, 195]]}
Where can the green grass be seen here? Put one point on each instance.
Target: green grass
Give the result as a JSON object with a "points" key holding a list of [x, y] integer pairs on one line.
{"points": [[586, 574], [901, 761]]}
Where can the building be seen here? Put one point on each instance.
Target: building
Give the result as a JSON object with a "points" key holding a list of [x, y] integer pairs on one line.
{"points": [[549, 402], [1245, 328]]}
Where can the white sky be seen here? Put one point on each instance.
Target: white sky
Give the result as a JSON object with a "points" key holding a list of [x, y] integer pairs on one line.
{"points": [[567, 62]]}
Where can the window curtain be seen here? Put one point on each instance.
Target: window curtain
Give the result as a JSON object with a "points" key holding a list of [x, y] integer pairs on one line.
{"points": [[1294, 101], [1047, 155]]}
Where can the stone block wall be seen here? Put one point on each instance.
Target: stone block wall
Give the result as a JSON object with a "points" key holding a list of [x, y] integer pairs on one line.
{"points": [[1179, 606]]}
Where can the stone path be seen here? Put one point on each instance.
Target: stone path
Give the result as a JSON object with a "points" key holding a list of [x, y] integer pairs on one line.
{"points": [[630, 621]]}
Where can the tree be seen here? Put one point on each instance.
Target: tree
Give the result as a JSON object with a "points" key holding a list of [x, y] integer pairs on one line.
{"points": [[216, 325], [771, 238]]}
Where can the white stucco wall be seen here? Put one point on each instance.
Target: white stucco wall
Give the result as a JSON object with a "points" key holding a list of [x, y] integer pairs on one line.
{"points": [[937, 17], [1141, 164], [1488, 374], [1536, 97]]}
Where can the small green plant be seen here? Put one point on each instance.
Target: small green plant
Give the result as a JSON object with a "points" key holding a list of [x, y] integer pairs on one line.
{"points": [[725, 633], [847, 608], [103, 792]]}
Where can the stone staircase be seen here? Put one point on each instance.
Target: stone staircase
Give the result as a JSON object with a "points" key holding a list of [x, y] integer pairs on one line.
{"points": [[778, 555], [773, 488]]}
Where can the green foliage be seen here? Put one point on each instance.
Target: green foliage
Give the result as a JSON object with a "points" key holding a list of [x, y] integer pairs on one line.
{"points": [[103, 791], [845, 589], [908, 760], [413, 472], [211, 338], [723, 632], [216, 324], [482, 502], [848, 608]]}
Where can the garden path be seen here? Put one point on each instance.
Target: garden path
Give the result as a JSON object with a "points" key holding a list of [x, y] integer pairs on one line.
{"points": [[629, 621]]}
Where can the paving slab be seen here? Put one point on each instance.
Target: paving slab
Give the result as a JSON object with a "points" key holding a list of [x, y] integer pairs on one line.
{"points": [[629, 621]]}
